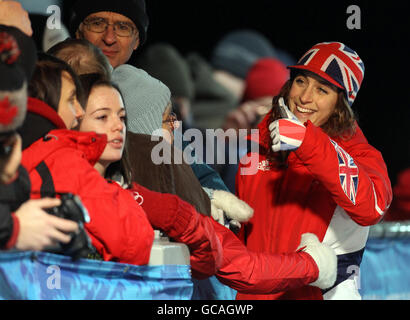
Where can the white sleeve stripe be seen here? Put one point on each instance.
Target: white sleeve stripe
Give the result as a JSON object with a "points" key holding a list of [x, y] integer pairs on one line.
{"points": [[291, 141], [380, 211]]}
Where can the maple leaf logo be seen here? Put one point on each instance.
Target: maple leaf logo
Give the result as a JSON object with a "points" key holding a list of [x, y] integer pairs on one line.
{"points": [[7, 111], [9, 50]]}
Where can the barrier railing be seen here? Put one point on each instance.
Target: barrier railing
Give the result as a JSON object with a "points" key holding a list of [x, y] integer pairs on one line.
{"points": [[392, 229], [47, 276], [385, 271]]}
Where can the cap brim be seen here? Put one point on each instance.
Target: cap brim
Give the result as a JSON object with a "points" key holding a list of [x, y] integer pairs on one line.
{"points": [[318, 72]]}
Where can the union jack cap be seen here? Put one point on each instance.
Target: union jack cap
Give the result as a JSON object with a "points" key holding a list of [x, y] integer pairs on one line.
{"points": [[336, 63]]}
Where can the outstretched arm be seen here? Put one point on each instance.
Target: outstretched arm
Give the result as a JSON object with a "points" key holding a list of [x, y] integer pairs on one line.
{"points": [[263, 273], [215, 250]]}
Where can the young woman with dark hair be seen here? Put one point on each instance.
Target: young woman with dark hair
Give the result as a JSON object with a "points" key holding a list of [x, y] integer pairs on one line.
{"points": [[55, 98], [61, 161]]}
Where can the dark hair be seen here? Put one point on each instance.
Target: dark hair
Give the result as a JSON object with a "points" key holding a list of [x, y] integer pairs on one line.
{"points": [[91, 80], [88, 82], [341, 123], [46, 82], [82, 56]]}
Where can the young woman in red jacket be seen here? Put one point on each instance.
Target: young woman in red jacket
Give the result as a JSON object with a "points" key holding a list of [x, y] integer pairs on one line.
{"points": [[234, 265], [316, 171], [60, 160]]}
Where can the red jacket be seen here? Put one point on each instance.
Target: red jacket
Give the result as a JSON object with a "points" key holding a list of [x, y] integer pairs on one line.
{"points": [[234, 265], [314, 194], [119, 228]]}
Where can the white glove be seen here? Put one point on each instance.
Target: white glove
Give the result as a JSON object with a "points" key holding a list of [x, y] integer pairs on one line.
{"points": [[288, 132], [233, 207], [324, 257]]}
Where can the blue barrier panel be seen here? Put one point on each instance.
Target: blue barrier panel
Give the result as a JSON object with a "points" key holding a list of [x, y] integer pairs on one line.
{"points": [[385, 269], [46, 276], [212, 289]]}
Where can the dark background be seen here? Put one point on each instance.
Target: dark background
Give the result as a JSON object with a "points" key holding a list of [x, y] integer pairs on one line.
{"points": [[382, 42]]}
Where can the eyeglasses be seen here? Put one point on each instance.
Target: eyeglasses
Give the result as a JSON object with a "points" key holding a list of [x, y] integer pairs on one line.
{"points": [[173, 120], [99, 25]]}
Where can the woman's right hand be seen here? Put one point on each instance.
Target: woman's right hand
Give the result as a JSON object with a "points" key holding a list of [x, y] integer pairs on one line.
{"points": [[287, 133], [38, 229]]}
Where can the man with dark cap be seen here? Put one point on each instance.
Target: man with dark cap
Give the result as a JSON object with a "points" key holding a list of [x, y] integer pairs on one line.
{"points": [[118, 28]]}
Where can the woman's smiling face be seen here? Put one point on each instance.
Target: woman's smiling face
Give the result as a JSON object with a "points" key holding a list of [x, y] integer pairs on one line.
{"points": [[311, 98]]}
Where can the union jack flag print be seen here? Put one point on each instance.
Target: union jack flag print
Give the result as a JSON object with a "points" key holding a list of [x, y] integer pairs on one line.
{"points": [[336, 63], [348, 173]]}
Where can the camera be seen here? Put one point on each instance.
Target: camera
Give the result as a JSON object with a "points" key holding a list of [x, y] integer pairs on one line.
{"points": [[72, 208]]}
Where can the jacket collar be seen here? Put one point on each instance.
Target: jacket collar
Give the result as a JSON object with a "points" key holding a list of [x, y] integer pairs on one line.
{"points": [[39, 107], [90, 144]]}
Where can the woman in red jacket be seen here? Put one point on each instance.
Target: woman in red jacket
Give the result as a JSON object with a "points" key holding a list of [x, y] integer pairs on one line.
{"points": [[61, 160], [234, 265], [316, 173]]}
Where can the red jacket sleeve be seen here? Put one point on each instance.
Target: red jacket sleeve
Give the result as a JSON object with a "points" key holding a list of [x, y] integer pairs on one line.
{"points": [[352, 171], [262, 273], [245, 271], [181, 222]]}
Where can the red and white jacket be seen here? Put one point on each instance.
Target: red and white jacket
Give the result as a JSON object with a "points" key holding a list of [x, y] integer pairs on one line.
{"points": [[330, 187]]}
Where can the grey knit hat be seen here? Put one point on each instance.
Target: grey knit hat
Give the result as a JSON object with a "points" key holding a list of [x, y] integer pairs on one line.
{"points": [[145, 98]]}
